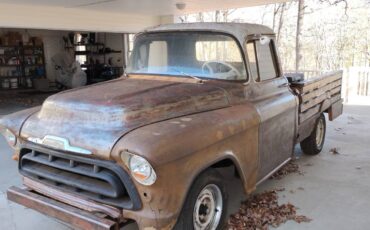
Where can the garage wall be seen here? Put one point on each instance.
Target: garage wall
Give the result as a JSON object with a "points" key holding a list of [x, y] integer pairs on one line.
{"points": [[59, 18], [114, 41]]}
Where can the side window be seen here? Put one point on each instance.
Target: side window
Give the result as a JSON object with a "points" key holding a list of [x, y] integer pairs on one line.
{"points": [[227, 51], [251, 52], [263, 53], [158, 52]]}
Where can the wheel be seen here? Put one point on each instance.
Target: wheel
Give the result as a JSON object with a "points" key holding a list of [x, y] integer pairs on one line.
{"points": [[205, 205], [313, 144]]}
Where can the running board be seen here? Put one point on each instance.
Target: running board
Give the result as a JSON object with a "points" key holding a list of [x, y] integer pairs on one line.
{"points": [[273, 171]]}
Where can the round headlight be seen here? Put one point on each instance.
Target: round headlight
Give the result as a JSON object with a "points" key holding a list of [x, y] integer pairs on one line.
{"points": [[9, 137], [141, 170]]}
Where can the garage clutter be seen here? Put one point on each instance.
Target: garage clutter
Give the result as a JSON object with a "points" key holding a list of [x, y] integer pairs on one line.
{"points": [[95, 56], [21, 60], [48, 60], [69, 71]]}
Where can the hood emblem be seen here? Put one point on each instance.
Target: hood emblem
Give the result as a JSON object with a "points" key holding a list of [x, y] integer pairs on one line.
{"points": [[58, 143]]}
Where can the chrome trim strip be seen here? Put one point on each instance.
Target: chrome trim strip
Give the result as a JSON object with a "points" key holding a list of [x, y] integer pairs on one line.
{"points": [[58, 143], [273, 171]]}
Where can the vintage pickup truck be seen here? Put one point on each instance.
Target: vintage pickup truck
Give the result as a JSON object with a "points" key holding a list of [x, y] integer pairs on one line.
{"points": [[148, 147]]}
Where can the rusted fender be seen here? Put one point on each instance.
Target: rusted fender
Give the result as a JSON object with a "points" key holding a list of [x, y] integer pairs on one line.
{"points": [[181, 148], [15, 120]]}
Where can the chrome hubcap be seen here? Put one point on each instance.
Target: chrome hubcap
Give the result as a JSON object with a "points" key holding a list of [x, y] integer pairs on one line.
{"points": [[208, 208], [319, 132]]}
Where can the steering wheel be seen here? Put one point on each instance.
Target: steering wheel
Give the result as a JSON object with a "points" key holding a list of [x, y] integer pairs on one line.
{"points": [[229, 73]]}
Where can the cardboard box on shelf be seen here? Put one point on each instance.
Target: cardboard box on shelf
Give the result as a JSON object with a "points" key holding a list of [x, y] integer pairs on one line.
{"points": [[37, 41], [12, 38]]}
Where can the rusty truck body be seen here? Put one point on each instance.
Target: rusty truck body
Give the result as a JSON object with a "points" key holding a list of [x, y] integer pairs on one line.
{"points": [[146, 147]]}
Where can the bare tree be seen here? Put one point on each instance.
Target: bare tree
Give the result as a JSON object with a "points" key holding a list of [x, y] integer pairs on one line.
{"points": [[298, 40], [217, 16], [281, 21], [200, 17], [184, 18], [277, 7]]}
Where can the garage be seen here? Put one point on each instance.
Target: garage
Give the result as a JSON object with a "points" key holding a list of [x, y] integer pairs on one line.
{"points": [[184, 115], [35, 58]]}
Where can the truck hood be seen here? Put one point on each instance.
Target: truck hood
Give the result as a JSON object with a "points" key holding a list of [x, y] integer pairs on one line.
{"points": [[95, 117]]}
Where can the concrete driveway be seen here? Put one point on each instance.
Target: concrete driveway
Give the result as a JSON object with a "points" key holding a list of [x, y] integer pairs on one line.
{"points": [[335, 194]]}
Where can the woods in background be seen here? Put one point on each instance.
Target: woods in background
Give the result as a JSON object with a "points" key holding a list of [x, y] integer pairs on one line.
{"points": [[311, 34]]}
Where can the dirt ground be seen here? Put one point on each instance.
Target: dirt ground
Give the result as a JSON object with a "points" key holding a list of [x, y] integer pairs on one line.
{"points": [[332, 189]]}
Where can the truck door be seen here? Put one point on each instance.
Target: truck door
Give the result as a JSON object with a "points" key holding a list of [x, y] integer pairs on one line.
{"points": [[275, 103]]}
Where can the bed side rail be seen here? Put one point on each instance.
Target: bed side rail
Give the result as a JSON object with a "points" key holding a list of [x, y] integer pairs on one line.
{"points": [[319, 94]]}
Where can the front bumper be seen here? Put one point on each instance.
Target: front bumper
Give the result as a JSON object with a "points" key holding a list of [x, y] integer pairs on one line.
{"points": [[76, 218]]}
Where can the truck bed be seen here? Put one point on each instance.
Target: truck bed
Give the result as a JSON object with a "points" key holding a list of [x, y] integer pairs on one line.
{"points": [[320, 93]]}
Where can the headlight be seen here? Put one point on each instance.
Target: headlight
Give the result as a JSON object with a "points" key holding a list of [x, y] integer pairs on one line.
{"points": [[9, 137], [140, 168]]}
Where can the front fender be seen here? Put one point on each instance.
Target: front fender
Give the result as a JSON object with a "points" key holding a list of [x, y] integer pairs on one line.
{"points": [[15, 121], [181, 148]]}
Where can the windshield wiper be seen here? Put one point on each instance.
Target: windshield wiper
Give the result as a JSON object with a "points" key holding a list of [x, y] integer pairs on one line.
{"points": [[188, 75]]}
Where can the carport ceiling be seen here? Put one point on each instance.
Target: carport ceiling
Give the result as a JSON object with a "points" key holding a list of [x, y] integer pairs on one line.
{"points": [[145, 7]]}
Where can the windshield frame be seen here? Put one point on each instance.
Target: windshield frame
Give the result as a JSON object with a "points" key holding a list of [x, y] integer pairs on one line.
{"points": [[240, 47]]}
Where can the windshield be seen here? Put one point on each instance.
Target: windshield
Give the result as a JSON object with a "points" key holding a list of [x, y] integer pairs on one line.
{"points": [[197, 54]]}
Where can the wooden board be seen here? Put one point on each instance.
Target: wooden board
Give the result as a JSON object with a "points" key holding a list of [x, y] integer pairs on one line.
{"points": [[315, 83], [309, 113], [321, 90], [311, 103], [318, 94]]}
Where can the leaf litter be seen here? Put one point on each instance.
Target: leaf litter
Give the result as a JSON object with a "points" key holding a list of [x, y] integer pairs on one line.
{"points": [[290, 167], [262, 211]]}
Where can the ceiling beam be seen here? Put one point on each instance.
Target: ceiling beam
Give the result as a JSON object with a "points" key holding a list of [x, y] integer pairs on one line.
{"points": [[58, 18]]}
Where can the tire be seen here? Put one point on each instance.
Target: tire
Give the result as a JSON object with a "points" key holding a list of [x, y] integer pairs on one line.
{"points": [[314, 143], [208, 185]]}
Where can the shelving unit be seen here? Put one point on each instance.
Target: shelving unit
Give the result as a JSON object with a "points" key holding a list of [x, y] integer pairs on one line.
{"points": [[20, 64], [96, 67]]}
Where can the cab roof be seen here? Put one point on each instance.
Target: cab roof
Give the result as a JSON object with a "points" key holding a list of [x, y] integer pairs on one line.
{"points": [[238, 30]]}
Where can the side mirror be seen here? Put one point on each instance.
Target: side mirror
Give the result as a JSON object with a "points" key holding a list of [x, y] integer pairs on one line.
{"points": [[264, 40]]}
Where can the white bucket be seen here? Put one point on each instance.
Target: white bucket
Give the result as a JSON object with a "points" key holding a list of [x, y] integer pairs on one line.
{"points": [[5, 84], [14, 83], [29, 82]]}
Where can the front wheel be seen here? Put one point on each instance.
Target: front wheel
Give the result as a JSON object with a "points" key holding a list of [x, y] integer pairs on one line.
{"points": [[205, 205], [314, 143]]}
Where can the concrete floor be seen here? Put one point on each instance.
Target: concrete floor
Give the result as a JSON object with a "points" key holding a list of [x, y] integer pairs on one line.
{"points": [[335, 191]]}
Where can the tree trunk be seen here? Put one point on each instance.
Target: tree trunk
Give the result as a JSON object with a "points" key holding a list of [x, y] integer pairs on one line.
{"points": [[200, 17], [276, 11], [298, 41], [217, 16], [281, 22]]}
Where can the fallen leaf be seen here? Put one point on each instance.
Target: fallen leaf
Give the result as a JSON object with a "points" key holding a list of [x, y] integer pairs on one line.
{"points": [[290, 167], [261, 211], [334, 151]]}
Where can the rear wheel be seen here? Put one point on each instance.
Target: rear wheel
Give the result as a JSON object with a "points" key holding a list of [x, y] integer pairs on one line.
{"points": [[314, 143], [205, 205]]}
